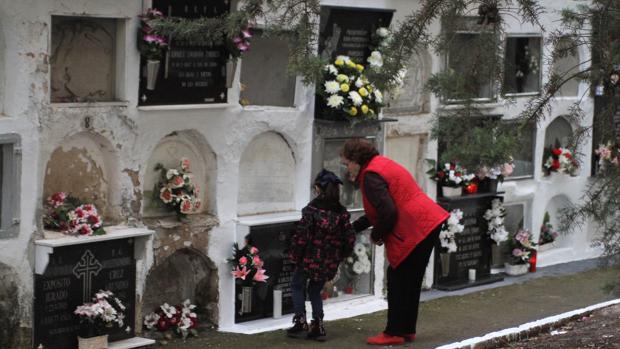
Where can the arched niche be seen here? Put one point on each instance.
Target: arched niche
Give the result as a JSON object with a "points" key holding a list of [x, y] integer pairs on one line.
{"points": [[559, 130], [566, 66], [186, 274], [554, 208], [85, 166], [266, 175], [169, 152]]}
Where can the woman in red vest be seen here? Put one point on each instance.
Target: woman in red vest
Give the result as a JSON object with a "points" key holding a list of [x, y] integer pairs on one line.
{"points": [[403, 218]]}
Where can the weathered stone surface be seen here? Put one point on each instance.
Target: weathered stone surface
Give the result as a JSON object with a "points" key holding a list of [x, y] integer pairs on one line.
{"points": [[9, 307]]}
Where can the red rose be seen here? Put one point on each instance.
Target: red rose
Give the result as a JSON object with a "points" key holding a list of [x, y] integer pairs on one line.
{"points": [[457, 174], [162, 325], [452, 166], [556, 151], [194, 321], [555, 164], [94, 220], [79, 212], [173, 321], [178, 182], [568, 156]]}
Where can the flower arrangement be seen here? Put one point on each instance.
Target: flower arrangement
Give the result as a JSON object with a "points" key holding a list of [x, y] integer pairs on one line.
{"points": [[522, 247], [347, 91], [151, 43], [451, 175], [104, 311], [241, 42], [607, 156], [547, 233], [392, 83], [359, 262], [247, 265], [560, 160], [70, 216], [447, 235], [181, 319], [495, 218], [175, 189]]}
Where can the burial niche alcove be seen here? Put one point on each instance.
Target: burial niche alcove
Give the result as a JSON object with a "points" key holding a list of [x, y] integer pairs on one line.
{"points": [[168, 152], [555, 207], [266, 176], [85, 166], [186, 274], [560, 131]]}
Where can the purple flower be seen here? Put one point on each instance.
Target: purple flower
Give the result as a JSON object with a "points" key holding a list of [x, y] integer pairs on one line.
{"points": [[237, 40], [517, 252], [246, 33], [156, 39], [243, 46]]}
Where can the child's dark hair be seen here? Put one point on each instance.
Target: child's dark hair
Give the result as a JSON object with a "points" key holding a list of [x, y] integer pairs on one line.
{"points": [[329, 185]]}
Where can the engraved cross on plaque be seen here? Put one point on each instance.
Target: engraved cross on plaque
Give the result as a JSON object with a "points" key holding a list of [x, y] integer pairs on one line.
{"points": [[85, 269]]}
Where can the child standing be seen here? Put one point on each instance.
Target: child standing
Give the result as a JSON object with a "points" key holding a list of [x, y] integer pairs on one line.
{"points": [[323, 238]]}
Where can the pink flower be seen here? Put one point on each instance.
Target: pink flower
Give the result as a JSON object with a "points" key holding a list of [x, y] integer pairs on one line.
{"points": [[517, 252], [246, 33], [260, 276], [257, 261], [240, 273], [80, 212], [243, 46], [253, 250], [165, 195], [243, 260], [185, 164], [85, 229], [507, 169], [186, 206], [177, 182], [197, 205]]}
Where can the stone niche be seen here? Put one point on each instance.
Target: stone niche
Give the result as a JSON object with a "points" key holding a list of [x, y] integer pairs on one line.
{"points": [[186, 274], [558, 130], [411, 97], [168, 152], [85, 165], [83, 59], [9, 307], [410, 151], [266, 176], [555, 207]]}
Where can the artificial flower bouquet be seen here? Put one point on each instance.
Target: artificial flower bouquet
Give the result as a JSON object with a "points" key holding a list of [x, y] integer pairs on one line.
{"points": [[359, 262], [247, 265], [347, 92], [69, 215], [181, 319], [560, 160], [495, 220], [175, 189], [608, 156], [105, 311], [151, 43], [453, 226], [522, 247], [451, 175], [547, 233]]}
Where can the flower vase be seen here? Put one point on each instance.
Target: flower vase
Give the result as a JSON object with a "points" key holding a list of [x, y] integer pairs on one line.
{"points": [[496, 255], [445, 263], [98, 342], [246, 299], [231, 69], [450, 192], [516, 269], [152, 71]]}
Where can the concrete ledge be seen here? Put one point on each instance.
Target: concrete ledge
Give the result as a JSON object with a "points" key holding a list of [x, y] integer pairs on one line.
{"points": [[135, 342]]}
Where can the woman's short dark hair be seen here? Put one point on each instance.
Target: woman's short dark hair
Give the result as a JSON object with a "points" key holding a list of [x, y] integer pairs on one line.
{"points": [[359, 150]]}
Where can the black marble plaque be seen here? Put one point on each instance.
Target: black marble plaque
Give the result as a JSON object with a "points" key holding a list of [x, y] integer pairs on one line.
{"points": [[190, 72], [349, 31], [473, 244], [74, 274], [272, 241]]}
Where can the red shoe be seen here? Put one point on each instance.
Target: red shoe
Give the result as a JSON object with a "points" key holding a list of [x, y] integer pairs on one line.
{"points": [[409, 337], [385, 339]]}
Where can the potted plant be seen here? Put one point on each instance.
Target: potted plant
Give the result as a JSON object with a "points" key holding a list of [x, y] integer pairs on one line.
{"points": [[447, 238], [247, 270], [152, 46], [104, 312], [175, 189], [70, 216], [547, 234], [451, 179], [523, 248], [182, 319]]}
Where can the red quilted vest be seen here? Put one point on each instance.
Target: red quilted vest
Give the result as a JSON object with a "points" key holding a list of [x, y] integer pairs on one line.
{"points": [[418, 215]]}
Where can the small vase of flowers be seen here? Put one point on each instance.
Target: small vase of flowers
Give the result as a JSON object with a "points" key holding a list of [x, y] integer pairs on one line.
{"points": [[104, 312], [152, 46], [523, 249], [175, 189]]}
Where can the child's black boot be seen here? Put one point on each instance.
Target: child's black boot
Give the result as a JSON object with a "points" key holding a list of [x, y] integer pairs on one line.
{"points": [[300, 327], [317, 331]]}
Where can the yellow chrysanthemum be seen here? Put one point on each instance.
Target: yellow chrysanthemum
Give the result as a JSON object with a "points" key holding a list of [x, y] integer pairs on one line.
{"points": [[365, 109], [339, 62], [353, 111], [344, 88], [363, 92], [359, 67], [351, 64], [342, 78]]}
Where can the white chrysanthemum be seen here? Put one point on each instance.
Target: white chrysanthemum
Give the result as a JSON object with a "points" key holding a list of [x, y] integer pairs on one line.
{"points": [[150, 320], [358, 268], [355, 98], [383, 32], [331, 69], [171, 173], [346, 59], [359, 249], [375, 59], [359, 83], [335, 101], [350, 260], [332, 86], [378, 96]]}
